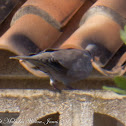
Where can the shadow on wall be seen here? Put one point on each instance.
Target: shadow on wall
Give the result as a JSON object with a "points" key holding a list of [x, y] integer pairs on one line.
{"points": [[105, 120]]}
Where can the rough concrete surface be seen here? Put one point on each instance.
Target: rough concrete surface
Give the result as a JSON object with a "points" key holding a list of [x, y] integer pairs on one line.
{"points": [[70, 108]]}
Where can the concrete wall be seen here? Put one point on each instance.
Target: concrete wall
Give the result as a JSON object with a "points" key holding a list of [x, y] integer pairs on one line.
{"points": [[69, 108]]}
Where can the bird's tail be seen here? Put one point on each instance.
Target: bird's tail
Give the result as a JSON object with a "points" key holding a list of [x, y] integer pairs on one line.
{"points": [[20, 57]]}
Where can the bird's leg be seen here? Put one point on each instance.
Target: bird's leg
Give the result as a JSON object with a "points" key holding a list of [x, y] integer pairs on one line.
{"points": [[53, 84]]}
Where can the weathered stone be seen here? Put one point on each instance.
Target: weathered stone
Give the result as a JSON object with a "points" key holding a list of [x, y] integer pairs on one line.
{"points": [[75, 108]]}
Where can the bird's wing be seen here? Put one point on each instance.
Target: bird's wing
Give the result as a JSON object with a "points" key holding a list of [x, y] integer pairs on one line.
{"points": [[52, 63], [51, 59], [67, 57], [74, 60]]}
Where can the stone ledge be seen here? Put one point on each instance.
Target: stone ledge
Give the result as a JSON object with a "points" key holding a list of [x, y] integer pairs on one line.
{"points": [[75, 108]]}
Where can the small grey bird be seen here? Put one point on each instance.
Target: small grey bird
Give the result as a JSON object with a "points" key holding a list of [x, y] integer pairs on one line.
{"points": [[61, 65]]}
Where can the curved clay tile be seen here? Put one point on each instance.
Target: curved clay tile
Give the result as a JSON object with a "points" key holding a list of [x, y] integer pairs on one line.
{"points": [[101, 26], [38, 24]]}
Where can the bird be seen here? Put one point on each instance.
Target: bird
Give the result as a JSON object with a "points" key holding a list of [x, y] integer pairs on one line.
{"points": [[61, 65]]}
